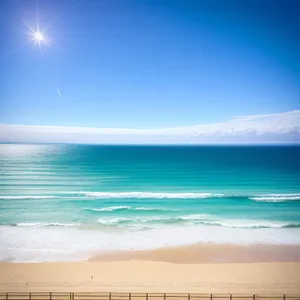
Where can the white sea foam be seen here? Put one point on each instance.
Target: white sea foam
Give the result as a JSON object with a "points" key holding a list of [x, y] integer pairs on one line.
{"points": [[25, 197], [276, 197], [200, 219], [251, 224], [149, 209], [153, 219], [47, 224], [148, 195], [117, 208], [195, 217], [53, 243], [153, 195], [115, 221], [110, 208]]}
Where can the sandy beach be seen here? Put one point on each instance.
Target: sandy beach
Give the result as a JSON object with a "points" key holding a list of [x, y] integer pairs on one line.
{"points": [[166, 270], [208, 253]]}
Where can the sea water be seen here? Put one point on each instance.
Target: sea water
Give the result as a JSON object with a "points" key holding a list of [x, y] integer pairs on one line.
{"points": [[68, 202]]}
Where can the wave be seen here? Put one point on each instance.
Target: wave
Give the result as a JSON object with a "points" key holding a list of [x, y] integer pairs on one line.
{"points": [[25, 197], [46, 224], [154, 222], [116, 221], [110, 208], [200, 219], [121, 208], [148, 220], [149, 209], [153, 195], [148, 195], [276, 197], [252, 224], [188, 195]]}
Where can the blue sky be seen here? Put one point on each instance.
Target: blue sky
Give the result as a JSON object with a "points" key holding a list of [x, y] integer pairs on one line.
{"points": [[149, 64]]}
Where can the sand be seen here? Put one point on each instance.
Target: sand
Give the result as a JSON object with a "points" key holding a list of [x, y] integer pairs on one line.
{"points": [[209, 253], [147, 276], [179, 273]]}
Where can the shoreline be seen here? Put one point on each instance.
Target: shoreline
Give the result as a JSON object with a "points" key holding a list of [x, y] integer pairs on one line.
{"points": [[207, 253], [188, 269]]}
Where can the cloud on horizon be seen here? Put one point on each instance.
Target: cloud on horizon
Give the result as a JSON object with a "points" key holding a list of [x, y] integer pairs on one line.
{"points": [[254, 129]]}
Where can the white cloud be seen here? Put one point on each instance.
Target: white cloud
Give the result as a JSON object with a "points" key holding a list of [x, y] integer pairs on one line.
{"points": [[268, 128]]}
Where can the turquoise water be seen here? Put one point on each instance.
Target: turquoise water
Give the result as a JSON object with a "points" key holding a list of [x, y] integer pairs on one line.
{"points": [[66, 202]]}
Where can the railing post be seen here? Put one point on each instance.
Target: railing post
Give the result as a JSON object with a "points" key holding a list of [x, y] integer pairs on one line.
{"points": [[230, 296], [211, 296], [283, 297], [165, 296], [189, 296], [50, 296], [73, 296], [253, 296], [109, 296], [147, 296], [70, 296], [6, 296], [129, 296], [29, 296]]}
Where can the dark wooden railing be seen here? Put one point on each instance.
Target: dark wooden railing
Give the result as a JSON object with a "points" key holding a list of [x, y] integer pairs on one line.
{"points": [[140, 296]]}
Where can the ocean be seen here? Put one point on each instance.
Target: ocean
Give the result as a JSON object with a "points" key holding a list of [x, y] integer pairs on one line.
{"points": [[69, 202]]}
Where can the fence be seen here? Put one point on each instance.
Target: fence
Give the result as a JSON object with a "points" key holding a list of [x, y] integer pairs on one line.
{"points": [[140, 296]]}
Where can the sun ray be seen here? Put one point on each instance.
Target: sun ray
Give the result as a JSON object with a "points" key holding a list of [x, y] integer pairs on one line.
{"points": [[27, 25]]}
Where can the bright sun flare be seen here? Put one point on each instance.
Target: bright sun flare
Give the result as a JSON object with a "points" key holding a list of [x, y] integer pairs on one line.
{"points": [[38, 37]]}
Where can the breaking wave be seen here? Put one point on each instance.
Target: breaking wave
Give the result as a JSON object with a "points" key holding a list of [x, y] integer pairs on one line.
{"points": [[25, 197], [46, 224], [148, 195], [122, 208], [152, 195], [276, 197], [200, 219]]}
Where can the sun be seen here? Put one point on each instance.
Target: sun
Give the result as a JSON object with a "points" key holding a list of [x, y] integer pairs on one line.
{"points": [[38, 37]]}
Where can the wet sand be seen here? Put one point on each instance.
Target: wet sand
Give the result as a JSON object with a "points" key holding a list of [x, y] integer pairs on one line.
{"points": [[209, 253]]}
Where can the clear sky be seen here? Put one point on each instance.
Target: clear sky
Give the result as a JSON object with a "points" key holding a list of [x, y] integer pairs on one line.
{"points": [[148, 64]]}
